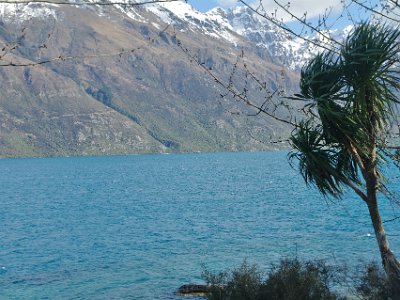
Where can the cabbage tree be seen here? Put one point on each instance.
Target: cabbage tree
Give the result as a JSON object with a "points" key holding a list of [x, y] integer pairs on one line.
{"points": [[351, 96]]}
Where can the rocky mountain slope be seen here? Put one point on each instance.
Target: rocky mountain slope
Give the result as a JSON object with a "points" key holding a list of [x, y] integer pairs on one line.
{"points": [[121, 81]]}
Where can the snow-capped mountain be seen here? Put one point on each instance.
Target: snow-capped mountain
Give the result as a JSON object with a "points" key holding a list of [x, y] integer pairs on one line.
{"points": [[238, 22], [117, 80], [281, 46], [230, 25], [19, 12]]}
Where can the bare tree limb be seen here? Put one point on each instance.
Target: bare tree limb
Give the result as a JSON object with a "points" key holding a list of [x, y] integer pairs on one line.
{"points": [[309, 25], [286, 28], [80, 3], [359, 192], [65, 58], [374, 11], [229, 87]]}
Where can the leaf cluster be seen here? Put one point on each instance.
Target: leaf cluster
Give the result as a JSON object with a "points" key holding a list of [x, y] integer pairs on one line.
{"points": [[373, 284], [291, 279], [349, 97]]}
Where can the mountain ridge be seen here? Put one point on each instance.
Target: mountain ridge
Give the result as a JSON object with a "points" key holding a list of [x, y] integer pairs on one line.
{"points": [[151, 98]]}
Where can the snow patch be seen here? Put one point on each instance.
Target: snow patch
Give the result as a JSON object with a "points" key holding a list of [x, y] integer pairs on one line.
{"points": [[131, 13], [22, 12], [211, 23]]}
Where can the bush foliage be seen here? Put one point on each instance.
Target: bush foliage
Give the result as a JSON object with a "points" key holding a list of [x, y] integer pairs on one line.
{"points": [[293, 279], [373, 284]]}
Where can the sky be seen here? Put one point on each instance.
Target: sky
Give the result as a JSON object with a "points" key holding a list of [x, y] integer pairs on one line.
{"points": [[313, 8], [203, 5]]}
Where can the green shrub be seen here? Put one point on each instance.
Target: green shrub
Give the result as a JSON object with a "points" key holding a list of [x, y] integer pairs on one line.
{"points": [[291, 279], [240, 284], [295, 280], [373, 284]]}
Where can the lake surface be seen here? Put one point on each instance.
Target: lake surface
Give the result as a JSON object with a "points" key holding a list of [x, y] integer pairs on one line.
{"points": [[138, 227]]}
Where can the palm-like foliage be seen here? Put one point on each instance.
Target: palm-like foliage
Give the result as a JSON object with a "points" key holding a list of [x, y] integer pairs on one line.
{"points": [[316, 162], [351, 94], [368, 62]]}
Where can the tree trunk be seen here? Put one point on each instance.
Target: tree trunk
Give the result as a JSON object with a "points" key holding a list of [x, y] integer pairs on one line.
{"points": [[389, 261]]}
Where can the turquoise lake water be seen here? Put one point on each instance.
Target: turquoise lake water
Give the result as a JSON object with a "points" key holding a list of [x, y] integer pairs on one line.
{"points": [[138, 227]]}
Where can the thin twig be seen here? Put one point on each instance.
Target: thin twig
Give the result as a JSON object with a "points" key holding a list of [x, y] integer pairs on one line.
{"points": [[102, 3]]}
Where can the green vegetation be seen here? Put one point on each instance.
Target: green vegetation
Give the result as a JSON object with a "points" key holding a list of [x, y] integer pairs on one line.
{"points": [[297, 280], [104, 95], [373, 284], [350, 98], [147, 101]]}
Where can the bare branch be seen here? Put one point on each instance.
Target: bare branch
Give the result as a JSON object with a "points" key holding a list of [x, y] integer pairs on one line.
{"points": [[278, 141], [374, 11], [287, 29], [309, 25], [360, 193], [64, 58], [230, 86], [80, 3]]}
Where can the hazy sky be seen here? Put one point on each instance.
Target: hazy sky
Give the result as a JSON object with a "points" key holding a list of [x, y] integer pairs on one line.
{"points": [[314, 8], [205, 5]]}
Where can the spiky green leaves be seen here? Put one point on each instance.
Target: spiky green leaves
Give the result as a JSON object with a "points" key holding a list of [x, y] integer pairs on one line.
{"points": [[319, 78], [369, 67], [351, 98], [369, 54], [316, 162]]}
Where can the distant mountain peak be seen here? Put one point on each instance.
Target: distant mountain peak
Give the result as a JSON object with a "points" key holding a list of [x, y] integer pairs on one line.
{"points": [[125, 85], [235, 23], [216, 11], [21, 12], [237, 26]]}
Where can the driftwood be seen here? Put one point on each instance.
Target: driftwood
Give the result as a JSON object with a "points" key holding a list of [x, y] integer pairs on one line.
{"points": [[194, 290]]}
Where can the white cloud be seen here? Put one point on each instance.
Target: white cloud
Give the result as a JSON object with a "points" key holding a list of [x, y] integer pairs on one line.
{"points": [[313, 8], [227, 3]]}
